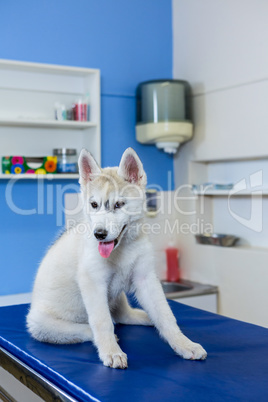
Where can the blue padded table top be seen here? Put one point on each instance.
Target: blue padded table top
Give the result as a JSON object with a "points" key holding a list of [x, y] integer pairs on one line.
{"points": [[236, 367]]}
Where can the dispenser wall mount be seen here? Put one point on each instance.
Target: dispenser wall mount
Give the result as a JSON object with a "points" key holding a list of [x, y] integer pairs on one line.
{"points": [[164, 114]]}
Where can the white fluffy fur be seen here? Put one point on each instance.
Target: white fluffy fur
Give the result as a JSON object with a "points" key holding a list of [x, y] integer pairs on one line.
{"points": [[78, 295]]}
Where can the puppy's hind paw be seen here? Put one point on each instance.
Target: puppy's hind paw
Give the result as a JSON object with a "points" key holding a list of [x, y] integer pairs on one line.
{"points": [[118, 360]]}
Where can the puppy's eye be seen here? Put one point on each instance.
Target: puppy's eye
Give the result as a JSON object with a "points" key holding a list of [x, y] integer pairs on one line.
{"points": [[119, 204], [94, 205]]}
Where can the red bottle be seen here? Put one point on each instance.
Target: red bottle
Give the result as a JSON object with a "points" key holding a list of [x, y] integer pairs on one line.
{"points": [[173, 273]]}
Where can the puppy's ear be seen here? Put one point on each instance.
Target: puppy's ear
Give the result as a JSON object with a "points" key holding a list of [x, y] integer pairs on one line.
{"points": [[88, 167], [131, 168]]}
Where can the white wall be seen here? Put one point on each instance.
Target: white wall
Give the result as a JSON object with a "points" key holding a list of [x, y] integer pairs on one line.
{"points": [[220, 44], [220, 48]]}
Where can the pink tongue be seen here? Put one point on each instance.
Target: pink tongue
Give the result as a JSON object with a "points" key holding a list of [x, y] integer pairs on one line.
{"points": [[105, 249]]}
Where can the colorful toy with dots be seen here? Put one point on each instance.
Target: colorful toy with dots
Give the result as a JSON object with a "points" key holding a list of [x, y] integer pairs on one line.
{"points": [[22, 164]]}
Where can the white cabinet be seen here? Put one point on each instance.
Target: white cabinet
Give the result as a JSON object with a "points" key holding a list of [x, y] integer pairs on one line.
{"points": [[239, 211], [204, 302], [28, 93]]}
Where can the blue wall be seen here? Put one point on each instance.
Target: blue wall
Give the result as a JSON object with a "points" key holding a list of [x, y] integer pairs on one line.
{"points": [[130, 42]]}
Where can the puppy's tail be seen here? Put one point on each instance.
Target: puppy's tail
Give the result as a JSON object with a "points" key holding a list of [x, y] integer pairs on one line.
{"points": [[46, 328]]}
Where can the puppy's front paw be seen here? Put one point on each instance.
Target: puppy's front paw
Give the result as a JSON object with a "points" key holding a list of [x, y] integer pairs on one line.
{"points": [[194, 352], [115, 360], [190, 350]]}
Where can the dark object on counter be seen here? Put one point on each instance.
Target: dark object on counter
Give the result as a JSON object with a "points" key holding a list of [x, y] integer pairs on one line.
{"points": [[215, 239], [151, 200], [175, 287], [67, 160]]}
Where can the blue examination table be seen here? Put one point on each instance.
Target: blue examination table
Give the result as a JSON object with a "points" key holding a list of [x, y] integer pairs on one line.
{"points": [[236, 368]]}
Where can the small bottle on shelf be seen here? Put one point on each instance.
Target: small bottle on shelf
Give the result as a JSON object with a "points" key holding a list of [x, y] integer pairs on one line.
{"points": [[66, 160], [60, 112], [78, 110], [87, 105]]}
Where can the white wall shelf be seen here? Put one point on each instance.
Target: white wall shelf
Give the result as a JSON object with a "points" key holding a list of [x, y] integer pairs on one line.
{"points": [[234, 249], [26, 176], [232, 159], [248, 177], [28, 94], [66, 124], [226, 193]]}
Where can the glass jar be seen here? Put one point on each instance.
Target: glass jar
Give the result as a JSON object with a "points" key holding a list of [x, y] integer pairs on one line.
{"points": [[66, 160]]}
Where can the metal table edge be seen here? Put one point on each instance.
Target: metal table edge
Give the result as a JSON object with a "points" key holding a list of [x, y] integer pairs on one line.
{"points": [[31, 379]]}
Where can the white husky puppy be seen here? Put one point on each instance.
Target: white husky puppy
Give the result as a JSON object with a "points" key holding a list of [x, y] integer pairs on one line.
{"points": [[79, 291]]}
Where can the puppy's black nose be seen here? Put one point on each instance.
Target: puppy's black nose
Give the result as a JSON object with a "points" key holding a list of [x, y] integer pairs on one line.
{"points": [[100, 234]]}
